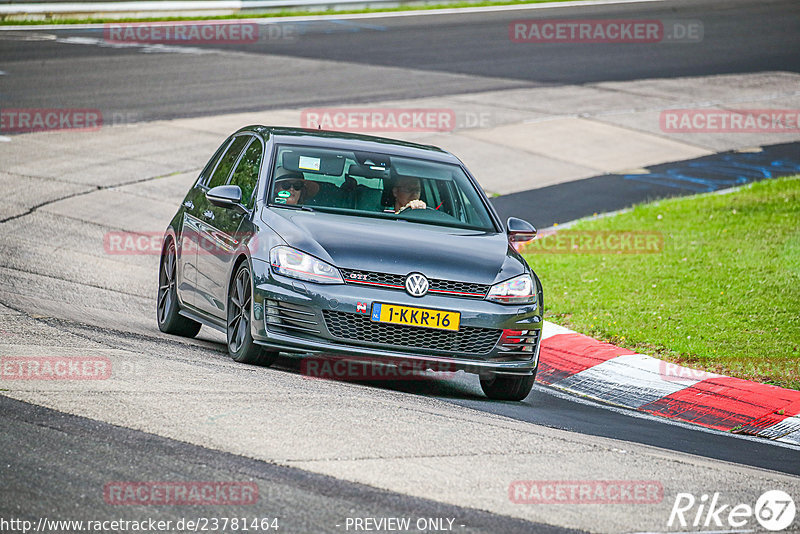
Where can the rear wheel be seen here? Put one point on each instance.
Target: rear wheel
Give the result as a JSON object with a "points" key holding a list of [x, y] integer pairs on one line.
{"points": [[167, 309], [505, 387], [241, 346]]}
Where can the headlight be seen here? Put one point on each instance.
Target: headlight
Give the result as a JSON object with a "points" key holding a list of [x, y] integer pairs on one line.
{"points": [[518, 290], [295, 264]]}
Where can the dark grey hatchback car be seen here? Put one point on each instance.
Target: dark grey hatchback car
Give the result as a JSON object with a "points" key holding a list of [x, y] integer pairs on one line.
{"points": [[371, 249]]}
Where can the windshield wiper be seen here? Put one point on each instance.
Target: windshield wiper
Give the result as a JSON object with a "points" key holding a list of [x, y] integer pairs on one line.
{"points": [[292, 206]]}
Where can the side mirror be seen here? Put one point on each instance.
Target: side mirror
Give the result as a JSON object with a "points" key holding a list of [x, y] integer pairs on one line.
{"points": [[226, 196], [520, 231]]}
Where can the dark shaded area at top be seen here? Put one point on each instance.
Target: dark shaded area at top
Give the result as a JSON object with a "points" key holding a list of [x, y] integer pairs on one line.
{"points": [[737, 37], [431, 55]]}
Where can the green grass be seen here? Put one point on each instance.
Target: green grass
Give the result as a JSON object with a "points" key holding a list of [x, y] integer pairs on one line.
{"points": [[723, 295], [282, 13]]}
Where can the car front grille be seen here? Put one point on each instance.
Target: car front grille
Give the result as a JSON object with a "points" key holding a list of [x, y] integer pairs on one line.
{"points": [[358, 329], [398, 281], [285, 318]]}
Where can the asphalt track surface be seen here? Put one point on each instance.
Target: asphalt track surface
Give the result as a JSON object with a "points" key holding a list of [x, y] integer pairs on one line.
{"points": [[360, 60], [546, 407], [448, 54], [83, 453]]}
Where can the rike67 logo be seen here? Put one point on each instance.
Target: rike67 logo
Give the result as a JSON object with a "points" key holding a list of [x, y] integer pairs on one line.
{"points": [[774, 510]]}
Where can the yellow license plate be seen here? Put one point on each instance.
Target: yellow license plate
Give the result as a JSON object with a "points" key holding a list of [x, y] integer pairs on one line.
{"points": [[423, 317]]}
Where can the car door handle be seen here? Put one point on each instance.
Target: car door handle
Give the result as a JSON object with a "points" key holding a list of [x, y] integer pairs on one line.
{"points": [[189, 205]]}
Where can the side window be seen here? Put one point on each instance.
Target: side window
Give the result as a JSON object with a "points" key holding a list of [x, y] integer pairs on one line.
{"points": [[246, 173], [227, 161], [212, 162], [467, 212]]}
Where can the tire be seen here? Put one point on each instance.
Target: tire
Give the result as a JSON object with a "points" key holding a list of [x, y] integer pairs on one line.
{"points": [[167, 309], [508, 388], [241, 346]]}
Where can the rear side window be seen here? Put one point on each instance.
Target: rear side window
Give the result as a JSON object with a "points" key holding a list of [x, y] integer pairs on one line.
{"points": [[246, 173], [227, 161], [209, 168]]}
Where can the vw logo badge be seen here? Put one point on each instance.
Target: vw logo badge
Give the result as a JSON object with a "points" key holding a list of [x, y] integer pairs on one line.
{"points": [[416, 284]]}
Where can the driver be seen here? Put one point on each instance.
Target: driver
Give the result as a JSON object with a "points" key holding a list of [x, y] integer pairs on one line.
{"points": [[406, 192], [292, 188]]}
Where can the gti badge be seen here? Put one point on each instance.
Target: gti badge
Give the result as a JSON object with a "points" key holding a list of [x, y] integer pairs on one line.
{"points": [[416, 284]]}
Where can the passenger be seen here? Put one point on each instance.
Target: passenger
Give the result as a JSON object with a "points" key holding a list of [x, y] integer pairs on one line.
{"points": [[300, 190]]}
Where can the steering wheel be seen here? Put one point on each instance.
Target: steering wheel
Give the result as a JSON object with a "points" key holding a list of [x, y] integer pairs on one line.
{"points": [[415, 209]]}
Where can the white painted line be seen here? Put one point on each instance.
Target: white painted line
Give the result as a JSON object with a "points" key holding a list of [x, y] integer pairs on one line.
{"points": [[550, 390], [272, 20], [631, 380], [4, 139], [791, 438], [551, 329], [787, 431], [120, 7], [145, 47]]}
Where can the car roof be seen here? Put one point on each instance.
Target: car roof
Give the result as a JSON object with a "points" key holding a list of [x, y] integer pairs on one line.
{"points": [[352, 141]]}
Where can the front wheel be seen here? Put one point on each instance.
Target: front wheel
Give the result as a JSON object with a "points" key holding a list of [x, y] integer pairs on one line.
{"points": [[241, 346], [505, 387]]}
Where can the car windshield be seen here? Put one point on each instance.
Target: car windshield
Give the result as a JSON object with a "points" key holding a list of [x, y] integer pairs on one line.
{"points": [[377, 185]]}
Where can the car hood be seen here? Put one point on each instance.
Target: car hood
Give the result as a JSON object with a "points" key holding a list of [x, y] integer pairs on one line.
{"points": [[398, 246]]}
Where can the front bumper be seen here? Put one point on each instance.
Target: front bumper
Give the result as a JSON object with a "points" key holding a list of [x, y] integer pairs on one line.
{"points": [[293, 316]]}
